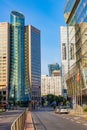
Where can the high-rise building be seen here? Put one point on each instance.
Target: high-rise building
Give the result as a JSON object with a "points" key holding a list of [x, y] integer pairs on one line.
{"points": [[4, 60], [53, 67], [20, 60], [67, 52], [33, 55], [17, 87], [75, 15]]}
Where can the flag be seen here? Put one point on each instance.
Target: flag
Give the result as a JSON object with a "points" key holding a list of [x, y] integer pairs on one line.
{"points": [[78, 77]]}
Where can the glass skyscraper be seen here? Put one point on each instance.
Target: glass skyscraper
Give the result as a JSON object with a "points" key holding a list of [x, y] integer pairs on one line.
{"points": [[53, 67], [33, 61], [17, 87]]}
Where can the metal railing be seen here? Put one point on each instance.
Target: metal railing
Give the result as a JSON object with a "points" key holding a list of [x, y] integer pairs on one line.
{"points": [[19, 123]]}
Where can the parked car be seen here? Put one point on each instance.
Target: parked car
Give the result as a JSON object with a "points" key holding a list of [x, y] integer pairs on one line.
{"points": [[62, 110]]}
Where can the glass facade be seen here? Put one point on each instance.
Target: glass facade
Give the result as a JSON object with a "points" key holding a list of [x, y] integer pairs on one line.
{"points": [[35, 64], [17, 87], [78, 19], [53, 67], [68, 8]]}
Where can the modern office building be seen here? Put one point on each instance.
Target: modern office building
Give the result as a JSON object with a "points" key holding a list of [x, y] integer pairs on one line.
{"points": [[52, 67], [20, 61], [33, 56], [4, 60], [75, 15], [67, 52], [51, 85], [17, 88]]}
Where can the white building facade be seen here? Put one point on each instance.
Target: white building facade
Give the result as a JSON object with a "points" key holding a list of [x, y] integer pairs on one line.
{"points": [[67, 51], [51, 85]]}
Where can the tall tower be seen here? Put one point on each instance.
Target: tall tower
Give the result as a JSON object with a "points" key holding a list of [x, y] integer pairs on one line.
{"points": [[33, 62], [53, 67], [64, 56], [67, 51], [17, 65], [4, 60]]}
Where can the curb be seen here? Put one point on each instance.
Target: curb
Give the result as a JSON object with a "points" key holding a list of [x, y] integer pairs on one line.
{"points": [[29, 122]]}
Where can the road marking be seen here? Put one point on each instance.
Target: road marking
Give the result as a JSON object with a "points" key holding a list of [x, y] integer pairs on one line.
{"points": [[67, 118], [78, 122], [72, 120], [84, 124], [76, 118]]}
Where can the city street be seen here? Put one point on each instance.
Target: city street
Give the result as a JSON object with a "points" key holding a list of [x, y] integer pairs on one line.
{"points": [[48, 120]]}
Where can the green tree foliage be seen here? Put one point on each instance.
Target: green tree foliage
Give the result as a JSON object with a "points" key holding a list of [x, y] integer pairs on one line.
{"points": [[59, 99]]}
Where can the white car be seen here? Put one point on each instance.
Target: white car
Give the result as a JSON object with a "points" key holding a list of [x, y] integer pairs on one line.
{"points": [[62, 110]]}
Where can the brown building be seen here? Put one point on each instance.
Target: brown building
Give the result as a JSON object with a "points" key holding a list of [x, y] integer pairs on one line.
{"points": [[4, 60]]}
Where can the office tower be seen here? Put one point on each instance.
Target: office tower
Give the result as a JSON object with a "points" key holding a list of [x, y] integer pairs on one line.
{"points": [[75, 15], [52, 67], [32, 43], [4, 60], [67, 52], [51, 85], [17, 88], [20, 61], [64, 58]]}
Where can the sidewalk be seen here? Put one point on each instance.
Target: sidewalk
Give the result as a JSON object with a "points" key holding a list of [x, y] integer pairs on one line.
{"points": [[79, 114], [29, 123]]}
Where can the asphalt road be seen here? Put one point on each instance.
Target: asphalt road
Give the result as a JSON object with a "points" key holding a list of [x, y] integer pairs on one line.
{"points": [[48, 120], [7, 118]]}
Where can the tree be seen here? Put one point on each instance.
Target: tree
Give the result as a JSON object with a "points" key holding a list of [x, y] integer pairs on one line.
{"points": [[59, 99]]}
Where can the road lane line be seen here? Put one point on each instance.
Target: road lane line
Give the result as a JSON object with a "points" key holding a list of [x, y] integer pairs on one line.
{"points": [[72, 120], [77, 122], [85, 124]]}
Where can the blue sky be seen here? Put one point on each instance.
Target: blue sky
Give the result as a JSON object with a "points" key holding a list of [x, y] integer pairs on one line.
{"points": [[46, 15]]}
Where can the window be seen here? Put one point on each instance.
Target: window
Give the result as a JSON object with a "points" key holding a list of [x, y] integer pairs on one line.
{"points": [[71, 51], [4, 92], [64, 51]]}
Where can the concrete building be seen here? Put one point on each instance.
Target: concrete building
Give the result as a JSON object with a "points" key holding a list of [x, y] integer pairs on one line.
{"points": [[75, 15], [33, 55], [56, 73], [67, 52], [51, 85], [64, 56], [4, 60]]}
